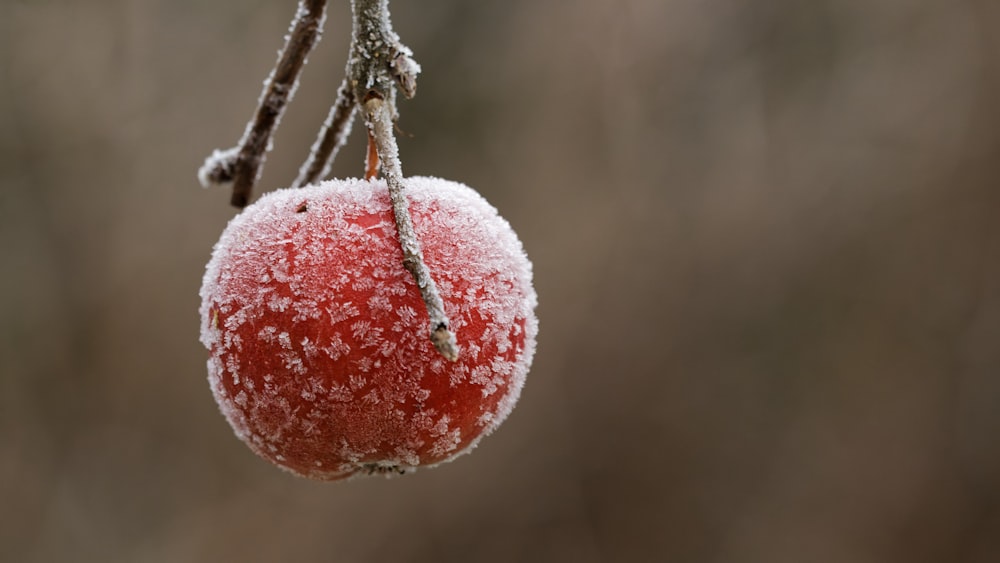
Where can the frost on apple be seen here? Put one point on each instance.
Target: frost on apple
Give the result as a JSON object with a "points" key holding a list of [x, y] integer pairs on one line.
{"points": [[319, 353]]}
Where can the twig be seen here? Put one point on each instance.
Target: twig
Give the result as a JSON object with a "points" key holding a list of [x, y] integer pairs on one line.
{"points": [[379, 64], [331, 137], [379, 118], [241, 164]]}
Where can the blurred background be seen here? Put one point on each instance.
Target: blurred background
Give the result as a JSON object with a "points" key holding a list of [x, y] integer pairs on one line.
{"points": [[765, 238]]}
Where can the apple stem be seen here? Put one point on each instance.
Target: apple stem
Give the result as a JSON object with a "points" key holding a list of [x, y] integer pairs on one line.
{"points": [[241, 164], [372, 164]]}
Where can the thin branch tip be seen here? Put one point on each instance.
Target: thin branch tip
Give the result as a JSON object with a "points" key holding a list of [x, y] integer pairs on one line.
{"points": [[444, 341], [405, 70], [218, 167]]}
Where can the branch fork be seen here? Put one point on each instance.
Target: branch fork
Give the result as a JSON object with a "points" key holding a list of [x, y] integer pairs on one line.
{"points": [[378, 65]]}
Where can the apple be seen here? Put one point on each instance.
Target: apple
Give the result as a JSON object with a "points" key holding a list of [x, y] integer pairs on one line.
{"points": [[319, 355]]}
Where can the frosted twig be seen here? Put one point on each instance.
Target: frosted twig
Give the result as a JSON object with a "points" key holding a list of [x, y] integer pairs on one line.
{"points": [[331, 137], [379, 118], [379, 64], [241, 165]]}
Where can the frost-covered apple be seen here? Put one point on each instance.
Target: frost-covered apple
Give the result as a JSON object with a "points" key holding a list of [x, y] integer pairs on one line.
{"points": [[318, 337]]}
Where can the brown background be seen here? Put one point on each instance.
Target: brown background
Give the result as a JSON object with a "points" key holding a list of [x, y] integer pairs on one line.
{"points": [[765, 238]]}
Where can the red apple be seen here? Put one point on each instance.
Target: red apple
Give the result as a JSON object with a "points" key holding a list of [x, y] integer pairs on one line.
{"points": [[318, 337]]}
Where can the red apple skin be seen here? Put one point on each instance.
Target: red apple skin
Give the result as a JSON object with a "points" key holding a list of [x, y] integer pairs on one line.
{"points": [[318, 338]]}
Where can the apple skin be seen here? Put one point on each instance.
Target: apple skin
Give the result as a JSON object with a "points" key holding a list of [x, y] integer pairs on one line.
{"points": [[318, 338]]}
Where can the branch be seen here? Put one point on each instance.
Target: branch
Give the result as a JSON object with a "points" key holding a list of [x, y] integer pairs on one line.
{"points": [[331, 137], [379, 117], [379, 64], [241, 164]]}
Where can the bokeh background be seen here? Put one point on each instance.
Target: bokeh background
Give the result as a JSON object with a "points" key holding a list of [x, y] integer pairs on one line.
{"points": [[765, 235]]}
